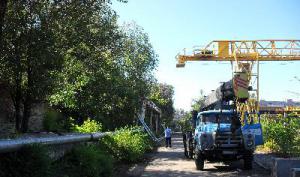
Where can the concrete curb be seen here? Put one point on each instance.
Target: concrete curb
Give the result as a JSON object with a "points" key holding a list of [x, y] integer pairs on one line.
{"points": [[282, 167], [279, 167], [262, 165], [261, 159]]}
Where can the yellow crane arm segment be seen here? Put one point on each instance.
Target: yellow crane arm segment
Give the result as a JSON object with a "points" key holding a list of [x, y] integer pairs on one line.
{"points": [[243, 50]]}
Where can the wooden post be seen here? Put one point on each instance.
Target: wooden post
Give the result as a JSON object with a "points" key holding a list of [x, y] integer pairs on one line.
{"points": [[157, 123], [151, 119]]}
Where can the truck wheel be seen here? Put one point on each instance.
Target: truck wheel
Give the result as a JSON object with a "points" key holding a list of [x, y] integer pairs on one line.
{"points": [[199, 161], [185, 152], [190, 149], [190, 154], [248, 158], [185, 145], [185, 149]]}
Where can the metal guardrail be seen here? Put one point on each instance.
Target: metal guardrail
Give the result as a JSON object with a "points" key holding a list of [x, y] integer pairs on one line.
{"points": [[10, 145]]}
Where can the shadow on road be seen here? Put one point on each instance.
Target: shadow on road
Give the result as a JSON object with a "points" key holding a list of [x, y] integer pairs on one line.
{"points": [[172, 162]]}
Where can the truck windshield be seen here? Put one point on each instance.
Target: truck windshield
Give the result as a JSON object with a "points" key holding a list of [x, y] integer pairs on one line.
{"points": [[213, 118]]}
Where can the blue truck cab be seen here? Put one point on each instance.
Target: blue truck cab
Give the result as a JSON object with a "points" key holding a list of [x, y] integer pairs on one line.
{"points": [[219, 136]]}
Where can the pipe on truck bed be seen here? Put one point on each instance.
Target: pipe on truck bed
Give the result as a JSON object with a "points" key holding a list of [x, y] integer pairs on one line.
{"points": [[236, 88]]}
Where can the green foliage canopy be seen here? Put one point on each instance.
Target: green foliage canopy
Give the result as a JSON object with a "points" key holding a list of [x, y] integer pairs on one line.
{"points": [[74, 55], [162, 96]]}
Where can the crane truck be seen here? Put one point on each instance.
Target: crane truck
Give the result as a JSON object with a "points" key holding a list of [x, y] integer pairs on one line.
{"points": [[218, 133], [228, 125]]}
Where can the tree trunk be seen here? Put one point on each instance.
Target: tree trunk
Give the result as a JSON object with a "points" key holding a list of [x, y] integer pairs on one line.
{"points": [[17, 108], [18, 90], [26, 113], [28, 98], [29, 74]]}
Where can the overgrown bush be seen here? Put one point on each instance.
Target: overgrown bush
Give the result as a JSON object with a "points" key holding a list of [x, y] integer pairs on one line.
{"points": [[127, 144], [85, 161], [88, 126], [53, 121], [30, 161], [281, 134]]}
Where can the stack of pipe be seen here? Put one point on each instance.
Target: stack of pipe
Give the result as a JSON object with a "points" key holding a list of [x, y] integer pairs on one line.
{"points": [[223, 93]]}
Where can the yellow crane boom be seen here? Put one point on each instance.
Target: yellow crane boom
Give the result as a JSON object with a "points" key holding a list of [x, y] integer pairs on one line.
{"points": [[244, 54], [243, 50]]}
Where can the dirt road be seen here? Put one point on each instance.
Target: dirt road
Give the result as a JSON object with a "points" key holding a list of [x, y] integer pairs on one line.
{"points": [[171, 162]]}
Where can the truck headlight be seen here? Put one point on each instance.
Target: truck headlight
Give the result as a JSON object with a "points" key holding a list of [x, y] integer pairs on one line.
{"points": [[249, 143]]}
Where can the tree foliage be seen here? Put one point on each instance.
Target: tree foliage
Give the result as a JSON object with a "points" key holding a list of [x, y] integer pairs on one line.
{"points": [[162, 96], [75, 56], [3, 8], [185, 122], [197, 103], [109, 83], [185, 118], [278, 129], [28, 55]]}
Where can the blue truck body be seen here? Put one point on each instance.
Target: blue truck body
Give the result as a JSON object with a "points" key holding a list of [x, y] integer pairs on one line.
{"points": [[219, 136]]}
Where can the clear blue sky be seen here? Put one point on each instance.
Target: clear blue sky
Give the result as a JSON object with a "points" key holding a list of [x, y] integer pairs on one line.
{"points": [[176, 24]]}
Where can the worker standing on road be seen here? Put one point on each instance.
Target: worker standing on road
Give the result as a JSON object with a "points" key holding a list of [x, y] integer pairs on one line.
{"points": [[168, 134]]}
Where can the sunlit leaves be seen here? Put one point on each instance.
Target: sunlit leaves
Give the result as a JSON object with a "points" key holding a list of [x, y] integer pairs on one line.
{"points": [[162, 96], [107, 68], [74, 55], [278, 129]]}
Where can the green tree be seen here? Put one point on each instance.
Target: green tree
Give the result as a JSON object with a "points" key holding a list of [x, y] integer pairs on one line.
{"points": [[198, 103], [185, 122], [74, 55], [90, 41], [28, 56], [162, 96], [107, 68]]}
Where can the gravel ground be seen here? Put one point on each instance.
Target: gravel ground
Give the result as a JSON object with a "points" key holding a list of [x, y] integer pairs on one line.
{"points": [[171, 162]]}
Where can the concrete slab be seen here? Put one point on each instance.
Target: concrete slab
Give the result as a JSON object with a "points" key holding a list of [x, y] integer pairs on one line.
{"points": [[282, 166], [295, 172]]}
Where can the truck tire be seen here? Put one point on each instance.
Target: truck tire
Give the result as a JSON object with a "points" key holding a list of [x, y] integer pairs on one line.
{"points": [[199, 161], [248, 158], [190, 154], [185, 146], [190, 148], [186, 152]]}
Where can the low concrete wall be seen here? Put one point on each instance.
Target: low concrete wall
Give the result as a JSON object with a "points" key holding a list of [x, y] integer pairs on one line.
{"points": [[7, 119], [295, 172], [282, 167], [56, 151], [264, 160]]}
